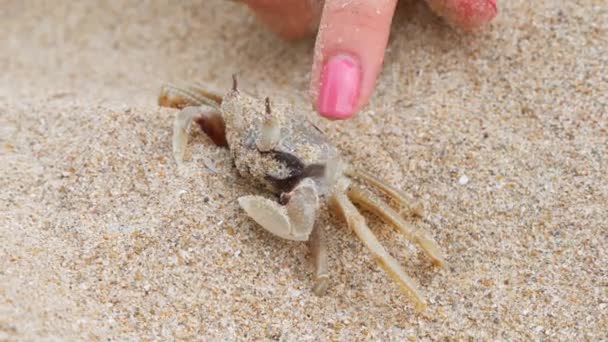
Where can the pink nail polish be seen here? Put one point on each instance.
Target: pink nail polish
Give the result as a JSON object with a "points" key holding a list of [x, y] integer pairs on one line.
{"points": [[339, 92]]}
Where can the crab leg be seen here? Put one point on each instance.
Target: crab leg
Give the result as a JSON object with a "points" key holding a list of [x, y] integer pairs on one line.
{"points": [[181, 125], [193, 95], [318, 248], [374, 204], [399, 196], [199, 89], [211, 123], [357, 223]]}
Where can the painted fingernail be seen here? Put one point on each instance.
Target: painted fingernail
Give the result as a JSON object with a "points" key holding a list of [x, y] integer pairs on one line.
{"points": [[339, 92], [475, 13], [466, 14]]}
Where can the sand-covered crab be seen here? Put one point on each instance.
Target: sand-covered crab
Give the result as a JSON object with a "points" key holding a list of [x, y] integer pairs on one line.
{"points": [[293, 159]]}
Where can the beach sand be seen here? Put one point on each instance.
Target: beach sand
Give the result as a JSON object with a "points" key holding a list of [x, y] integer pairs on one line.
{"points": [[501, 135]]}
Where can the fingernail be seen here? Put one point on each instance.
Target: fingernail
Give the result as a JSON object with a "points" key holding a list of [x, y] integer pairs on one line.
{"points": [[466, 14], [339, 92]]}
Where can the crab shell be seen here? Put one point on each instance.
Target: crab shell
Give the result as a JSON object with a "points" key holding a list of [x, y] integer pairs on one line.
{"points": [[299, 151]]}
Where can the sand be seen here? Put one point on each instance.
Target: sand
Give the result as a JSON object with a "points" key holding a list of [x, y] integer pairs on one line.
{"points": [[501, 135]]}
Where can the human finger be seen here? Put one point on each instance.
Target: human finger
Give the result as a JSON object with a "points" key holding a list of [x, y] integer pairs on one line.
{"points": [[291, 19], [349, 53]]}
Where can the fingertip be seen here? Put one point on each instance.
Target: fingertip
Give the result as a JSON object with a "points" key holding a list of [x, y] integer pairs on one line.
{"points": [[349, 53]]}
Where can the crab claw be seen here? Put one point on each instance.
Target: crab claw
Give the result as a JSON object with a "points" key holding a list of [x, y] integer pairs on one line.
{"points": [[292, 221]]}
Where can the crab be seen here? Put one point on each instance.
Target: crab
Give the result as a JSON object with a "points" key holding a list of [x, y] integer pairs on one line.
{"points": [[292, 159]]}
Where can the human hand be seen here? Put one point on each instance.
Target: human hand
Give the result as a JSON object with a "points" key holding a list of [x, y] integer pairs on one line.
{"points": [[351, 40]]}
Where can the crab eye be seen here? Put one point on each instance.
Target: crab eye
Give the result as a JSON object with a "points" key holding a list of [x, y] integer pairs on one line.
{"points": [[234, 83]]}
